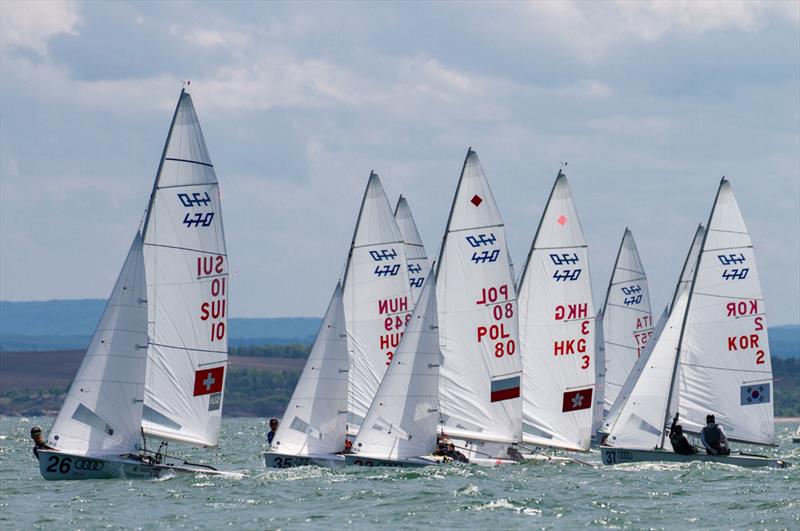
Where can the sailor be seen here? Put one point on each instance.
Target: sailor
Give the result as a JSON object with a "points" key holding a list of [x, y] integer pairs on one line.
{"points": [[38, 441], [441, 445], [455, 455], [348, 446], [680, 444], [273, 427], [713, 438]]}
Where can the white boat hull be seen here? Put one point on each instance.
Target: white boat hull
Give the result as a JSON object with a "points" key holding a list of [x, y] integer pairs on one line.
{"points": [[55, 465], [412, 462], [284, 460], [616, 456]]}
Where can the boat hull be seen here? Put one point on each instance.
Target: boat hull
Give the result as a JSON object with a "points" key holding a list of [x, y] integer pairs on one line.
{"points": [[412, 462], [616, 456], [285, 460]]}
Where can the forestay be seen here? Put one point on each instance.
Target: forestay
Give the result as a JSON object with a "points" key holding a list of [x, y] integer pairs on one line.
{"points": [[403, 418], [316, 418], [634, 421], [377, 298], [477, 306], [187, 290], [557, 329], [627, 321], [102, 413], [725, 366], [416, 257]]}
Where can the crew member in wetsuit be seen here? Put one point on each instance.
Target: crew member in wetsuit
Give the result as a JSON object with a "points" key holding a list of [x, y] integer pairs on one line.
{"points": [[680, 444], [713, 438], [273, 427], [455, 455], [38, 441]]}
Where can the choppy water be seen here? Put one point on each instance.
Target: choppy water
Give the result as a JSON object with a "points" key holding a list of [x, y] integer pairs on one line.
{"points": [[514, 497]]}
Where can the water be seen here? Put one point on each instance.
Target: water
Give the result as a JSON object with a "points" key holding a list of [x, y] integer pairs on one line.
{"points": [[514, 497]]}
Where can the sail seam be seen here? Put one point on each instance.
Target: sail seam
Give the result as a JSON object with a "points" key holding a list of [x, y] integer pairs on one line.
{"points": [[724, 368], [190, 161], [185, 249], [627, 308], [188, 348], [187, 185]]}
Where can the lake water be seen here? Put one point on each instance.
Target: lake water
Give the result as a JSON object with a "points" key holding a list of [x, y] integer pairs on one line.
{"points": [[451, 497]]}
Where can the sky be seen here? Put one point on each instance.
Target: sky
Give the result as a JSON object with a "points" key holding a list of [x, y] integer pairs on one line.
{"points": [[650, 103]]}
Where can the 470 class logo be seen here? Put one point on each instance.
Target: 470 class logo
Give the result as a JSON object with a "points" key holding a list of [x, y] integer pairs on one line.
{"points": [[196, 199]]}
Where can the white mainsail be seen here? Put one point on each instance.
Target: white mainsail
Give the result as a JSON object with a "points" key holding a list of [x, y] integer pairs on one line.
{"points": [[187, 290], [635, 398], [557, 329], [102, 413], [402, 421], [627, 321], [416, 257], [724, 362], [377, 298], [315, 421], [477, 310]]}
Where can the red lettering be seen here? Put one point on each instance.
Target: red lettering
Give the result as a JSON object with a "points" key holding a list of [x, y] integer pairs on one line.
{"points": [[759, 323], [383, 306], [760, 357], [731, 309], [481, 332], [560, 313], [204, 311], [217, 331], [218, 267], [585, 362]]}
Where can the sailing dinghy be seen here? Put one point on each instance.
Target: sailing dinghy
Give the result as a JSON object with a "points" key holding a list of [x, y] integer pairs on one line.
{"points": [[377, 299], [156, 363], [712, 356], [626, 322], [557, 331], [416, 257], [480, 376], [401, 425], [796, 438], [315, 423]]}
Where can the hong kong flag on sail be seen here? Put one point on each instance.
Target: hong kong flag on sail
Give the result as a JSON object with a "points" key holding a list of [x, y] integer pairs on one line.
{"points": [[575, 400], [207, 381]]}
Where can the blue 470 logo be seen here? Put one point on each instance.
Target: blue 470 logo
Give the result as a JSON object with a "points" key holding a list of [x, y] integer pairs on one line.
{"points": [[383, 254], [387, 270], [739, 273], [567, 274], [564, 258], [481, 239], [633, 294], [196, 199], [416, 282]]}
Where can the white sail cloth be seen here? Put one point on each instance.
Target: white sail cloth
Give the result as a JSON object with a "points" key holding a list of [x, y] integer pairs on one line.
{"points": [[102, 413], [477, 310], [377, 298], [402, 421], [187, 290], [627, 320], [315, 421], [725, 366], [416, 258], [557, 329]]}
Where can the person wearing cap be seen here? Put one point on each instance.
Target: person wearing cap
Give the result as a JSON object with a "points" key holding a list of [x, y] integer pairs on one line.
{"points": [[38, 441], [713, 438], [273, 427]]}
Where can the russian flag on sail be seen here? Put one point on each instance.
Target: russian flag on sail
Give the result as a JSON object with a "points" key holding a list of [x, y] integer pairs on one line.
{"points": [[505, 388]]}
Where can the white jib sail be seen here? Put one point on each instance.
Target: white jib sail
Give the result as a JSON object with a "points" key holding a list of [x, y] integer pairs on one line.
{"points": [[102, 413], [377, 298], [416, 257], [627, 320], [480, 375], [403, 418], [187, 290], [316, 417], [634, 430], [557, 329], [724, 362]]}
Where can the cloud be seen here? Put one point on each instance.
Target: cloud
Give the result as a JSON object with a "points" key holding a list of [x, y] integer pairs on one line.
{"points": [[29, 25]]}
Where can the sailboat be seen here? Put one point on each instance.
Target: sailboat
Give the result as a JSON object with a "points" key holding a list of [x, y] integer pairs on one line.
{"points": [[401, 425], [711, 356], [156, 364], [377, 299], [626, 323], [315, 423], [480, 375], [557, 330], [796, 438], [416, 257]]}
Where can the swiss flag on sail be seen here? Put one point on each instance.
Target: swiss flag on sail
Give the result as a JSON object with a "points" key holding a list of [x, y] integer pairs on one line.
{"points": [[575, 400], [207, 381]]}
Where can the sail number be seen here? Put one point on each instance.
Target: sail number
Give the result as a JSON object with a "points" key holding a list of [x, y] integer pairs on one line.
{"points": [[214, 310], [396, 318], [567, 347], [502, 309], [65, 465], [752, 341]]}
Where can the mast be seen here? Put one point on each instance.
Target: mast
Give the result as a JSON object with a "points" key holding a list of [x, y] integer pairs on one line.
{"points": [[355, 230], [614, 269], [685, 263], [452, 208], [686, 315]]}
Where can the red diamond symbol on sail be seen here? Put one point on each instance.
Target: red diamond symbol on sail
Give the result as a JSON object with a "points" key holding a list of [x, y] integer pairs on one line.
{"points": [[561, 220], [476, 200], [575, 400], [207, 381]]}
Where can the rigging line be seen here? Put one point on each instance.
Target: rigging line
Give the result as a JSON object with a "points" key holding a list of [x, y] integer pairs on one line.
{"points": [[584, 246], [631, 271], [178, 347], [728, 297], [377, 244], [215, 183], [630, 279], [723, 368], [728, 248], [190, 161], [729, 231], [185, 249], [629, 308], [451, 231], [621, 345]]}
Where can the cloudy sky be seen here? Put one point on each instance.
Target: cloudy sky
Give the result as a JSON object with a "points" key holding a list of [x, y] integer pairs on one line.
{"points": [[651, 103]]}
